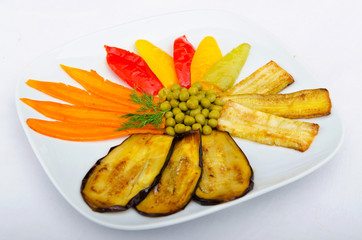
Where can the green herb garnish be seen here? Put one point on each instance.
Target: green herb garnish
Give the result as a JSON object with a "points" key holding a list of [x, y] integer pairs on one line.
{"points": [[148, 114]]}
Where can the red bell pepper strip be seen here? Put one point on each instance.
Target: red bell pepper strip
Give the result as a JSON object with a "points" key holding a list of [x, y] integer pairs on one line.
{"points": [[183, 53], [133, 70]]}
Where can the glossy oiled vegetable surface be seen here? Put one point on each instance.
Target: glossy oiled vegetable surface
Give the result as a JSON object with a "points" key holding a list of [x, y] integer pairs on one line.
{"points": [[178, 180], [266, 128], [269, 79], [122, 178], [308, 103], [224, 72], [227, 174]]}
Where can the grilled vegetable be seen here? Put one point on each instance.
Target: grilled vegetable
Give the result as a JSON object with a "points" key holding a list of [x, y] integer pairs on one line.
{"points": [[269, 79], [225, 71], [227, 174], [179, 179], [206, 55], [265, 128], [125, 175], [160, 62], [302, 104]]}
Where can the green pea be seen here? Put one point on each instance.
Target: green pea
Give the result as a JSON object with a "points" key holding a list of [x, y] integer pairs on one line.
{"points": [[211, 106], [193, 90], [174, 103], [189, 120], [196, 126], [198, 85], [211, 92], [169, 96], [163, 92], [212, 123], [219, 101], [179, 117], [188, 128], [180, 128], [176, 94], [188, 112], [192, 103], [216, 108], [169, 114], [205, 112], [194, 112], [206, 130], [170, 122], [175, 87], [176, 111], [200, 118], [184, 95], [165, 106], [193, 97], [200, 96], [211, 97], [183, 106], [205, 102], [214, 114], [170, 131]]}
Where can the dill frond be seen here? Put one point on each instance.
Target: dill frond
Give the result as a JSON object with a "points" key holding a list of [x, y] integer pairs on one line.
{"points": [[148, 114]]}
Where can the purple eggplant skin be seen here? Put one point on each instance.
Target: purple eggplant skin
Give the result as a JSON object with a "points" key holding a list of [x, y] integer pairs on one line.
{"points": [[137, 198], [178, 138], [204, 201], [210, 202]]}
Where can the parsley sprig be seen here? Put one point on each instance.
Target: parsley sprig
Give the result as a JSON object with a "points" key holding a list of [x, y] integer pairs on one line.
{"points": [[148, 114]]}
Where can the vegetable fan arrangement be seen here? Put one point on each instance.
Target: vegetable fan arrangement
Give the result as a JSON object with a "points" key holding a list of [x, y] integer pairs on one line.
{"points": [[181, 115]]}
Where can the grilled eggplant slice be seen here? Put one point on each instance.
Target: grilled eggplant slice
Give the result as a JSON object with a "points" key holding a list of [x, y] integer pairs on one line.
{"points": [[265, 128], [227, 174], [179, 179], [127, 173], [269, 79], [308, 103]]}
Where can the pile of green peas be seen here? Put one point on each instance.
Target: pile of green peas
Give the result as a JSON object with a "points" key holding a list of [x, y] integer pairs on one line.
{"points": [[190, 109]]}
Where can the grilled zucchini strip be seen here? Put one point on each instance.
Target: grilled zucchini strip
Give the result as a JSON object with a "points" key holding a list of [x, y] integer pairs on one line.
{"points": [[302, 104], [265, 128], [269, 79]]}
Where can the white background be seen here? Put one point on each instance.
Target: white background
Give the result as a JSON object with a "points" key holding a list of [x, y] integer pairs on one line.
{"points": [[325, 36]]}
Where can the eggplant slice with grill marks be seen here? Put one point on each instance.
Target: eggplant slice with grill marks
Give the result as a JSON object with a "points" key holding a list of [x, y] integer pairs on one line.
{"points": [[227, 174], [123, 177], [179, 179]]}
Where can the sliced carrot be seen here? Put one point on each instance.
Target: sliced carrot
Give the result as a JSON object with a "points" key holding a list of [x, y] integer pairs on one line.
{"points": [[82, 132], [96, 84], [78, 96], [71, 113]]}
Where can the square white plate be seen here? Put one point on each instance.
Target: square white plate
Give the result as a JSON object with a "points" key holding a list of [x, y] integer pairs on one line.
{"points": [[66, 162]]}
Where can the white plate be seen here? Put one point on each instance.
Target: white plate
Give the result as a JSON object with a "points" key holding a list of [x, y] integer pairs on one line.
{"points": [[67, 162]]}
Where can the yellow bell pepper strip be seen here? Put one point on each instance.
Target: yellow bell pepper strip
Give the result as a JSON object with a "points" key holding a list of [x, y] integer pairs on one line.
{"points": [[224, 72], [160, 62], [206, 55]]}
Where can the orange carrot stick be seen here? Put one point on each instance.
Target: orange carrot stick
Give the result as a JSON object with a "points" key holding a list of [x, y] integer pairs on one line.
{"points": [[95, 84], [78, 96], [71, 113], [82, 132]]}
